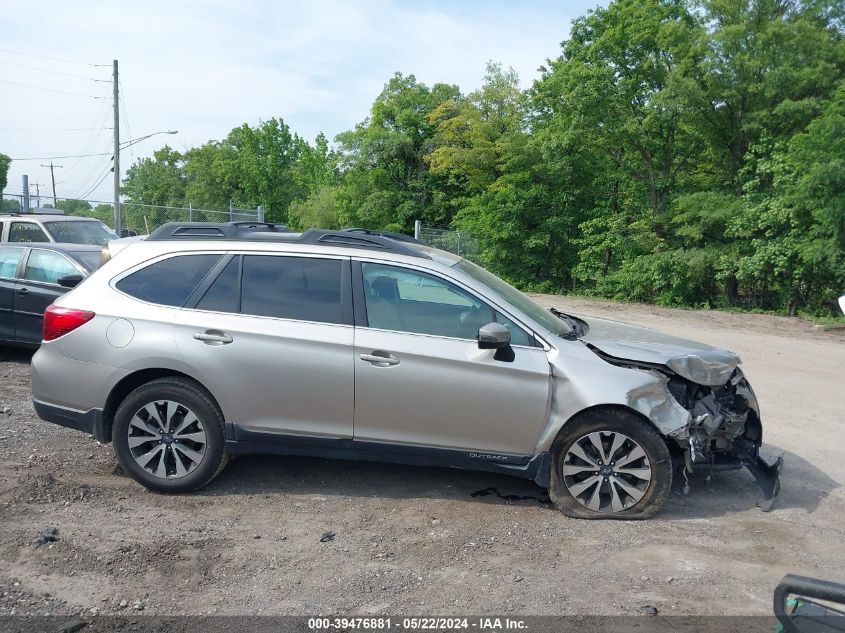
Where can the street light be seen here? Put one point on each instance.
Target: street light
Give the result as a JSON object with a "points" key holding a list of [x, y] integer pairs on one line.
{"points": [[124, 145]]}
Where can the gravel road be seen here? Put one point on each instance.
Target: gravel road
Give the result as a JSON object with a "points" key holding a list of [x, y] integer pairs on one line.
{"points": [[414, 540]]}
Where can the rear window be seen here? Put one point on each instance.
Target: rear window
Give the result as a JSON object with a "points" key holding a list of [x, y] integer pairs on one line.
{"points": [[89, 259], [169, 281], [301, 288], [222, 295], [81, 232]]}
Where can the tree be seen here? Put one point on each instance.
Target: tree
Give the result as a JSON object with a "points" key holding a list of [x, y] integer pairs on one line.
{"points": [[262, 165], [5, 162], [386, 182], [319, 210], [74, 207], [160, 180]]}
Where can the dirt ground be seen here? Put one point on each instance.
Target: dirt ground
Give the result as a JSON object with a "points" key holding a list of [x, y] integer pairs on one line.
{"points": [[414, 540]]}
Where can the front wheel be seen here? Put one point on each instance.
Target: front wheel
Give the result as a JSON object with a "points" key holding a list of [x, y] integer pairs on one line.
{"points": [[169, 435], [610, 464]]}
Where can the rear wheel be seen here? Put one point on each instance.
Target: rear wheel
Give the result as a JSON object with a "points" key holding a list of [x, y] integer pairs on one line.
{"points": [[169, 435], [610, 464]]}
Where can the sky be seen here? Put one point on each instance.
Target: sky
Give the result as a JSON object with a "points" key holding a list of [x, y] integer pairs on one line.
{"points": [[203, 68]]}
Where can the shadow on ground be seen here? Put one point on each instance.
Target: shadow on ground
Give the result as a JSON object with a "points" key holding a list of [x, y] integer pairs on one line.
{"points": [[21, 355], [803, 485]]}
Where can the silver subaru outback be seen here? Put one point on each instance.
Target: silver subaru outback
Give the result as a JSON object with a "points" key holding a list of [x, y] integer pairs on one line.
{"points": [[206, 340]]}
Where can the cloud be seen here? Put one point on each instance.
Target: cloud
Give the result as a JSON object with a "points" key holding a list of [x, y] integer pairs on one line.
{"points": [[206, 67]]}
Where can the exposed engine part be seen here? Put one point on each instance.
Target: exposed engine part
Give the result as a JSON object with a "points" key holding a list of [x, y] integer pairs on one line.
{"points": [[704, 403], [724, 433]]}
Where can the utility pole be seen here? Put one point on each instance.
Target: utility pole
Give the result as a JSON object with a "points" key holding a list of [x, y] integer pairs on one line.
{"points": [[116, 160], [53, 178], [37, 186], [25, 193]]}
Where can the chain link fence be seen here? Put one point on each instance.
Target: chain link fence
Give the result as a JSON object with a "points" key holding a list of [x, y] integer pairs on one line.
{"points": [[145, 218], [137, 218], [457, 242]]}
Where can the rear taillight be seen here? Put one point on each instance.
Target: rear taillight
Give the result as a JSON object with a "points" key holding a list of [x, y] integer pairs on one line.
{"points": [[59, 321]]}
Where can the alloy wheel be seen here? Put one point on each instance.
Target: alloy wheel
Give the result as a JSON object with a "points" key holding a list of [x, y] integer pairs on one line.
{"points": [[606, 471], [166, 439]]}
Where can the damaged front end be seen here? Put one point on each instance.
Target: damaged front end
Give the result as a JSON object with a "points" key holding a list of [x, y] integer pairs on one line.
{"points": [[705, 407], [724, 432]]}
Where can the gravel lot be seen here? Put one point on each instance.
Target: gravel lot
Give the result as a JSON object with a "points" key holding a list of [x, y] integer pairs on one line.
{"points": [[414, 540]]}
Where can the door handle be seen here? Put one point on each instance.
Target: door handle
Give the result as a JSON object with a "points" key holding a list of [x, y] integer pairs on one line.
{"points": [[380, 359], [213, 337], [23, 291]]}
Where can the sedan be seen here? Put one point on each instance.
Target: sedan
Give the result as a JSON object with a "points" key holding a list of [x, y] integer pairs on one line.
{"points": [[31, 278]]}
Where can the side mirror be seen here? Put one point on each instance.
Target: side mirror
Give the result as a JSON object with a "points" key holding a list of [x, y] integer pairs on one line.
{"points": [[842, 303], [493, 336], [70, 281], [496, 336]]}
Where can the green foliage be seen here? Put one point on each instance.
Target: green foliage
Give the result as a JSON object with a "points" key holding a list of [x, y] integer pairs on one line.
{"points": [[5, 163], [263, 165], [74, 207], [686, 152], [387, 182], [319, 210]]}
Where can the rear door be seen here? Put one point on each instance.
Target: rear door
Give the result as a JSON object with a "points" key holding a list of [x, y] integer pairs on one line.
{"points": [[272, 338], [37, 288], [10, 259]]}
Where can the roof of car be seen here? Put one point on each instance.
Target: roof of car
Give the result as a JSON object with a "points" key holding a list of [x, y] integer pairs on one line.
{"points": [[268, 233], [55, 246], [48, 217]]}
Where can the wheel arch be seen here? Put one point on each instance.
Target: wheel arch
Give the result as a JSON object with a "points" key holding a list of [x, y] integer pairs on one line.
{"points": [[601, 407], [543, 476], [128, 384]]}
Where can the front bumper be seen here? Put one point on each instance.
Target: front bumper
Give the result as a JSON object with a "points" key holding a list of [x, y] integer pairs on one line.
{"points": [[90, 421]]}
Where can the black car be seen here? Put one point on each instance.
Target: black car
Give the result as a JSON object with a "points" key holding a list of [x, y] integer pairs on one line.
{"points": [[31, 277]]}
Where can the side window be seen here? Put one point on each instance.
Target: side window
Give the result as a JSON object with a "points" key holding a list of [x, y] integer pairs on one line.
{"points": [[302, 288], [169, 281], [222, 295], [9, 260], [409, 301], [47, 266], [27, 232], [518, 335]]}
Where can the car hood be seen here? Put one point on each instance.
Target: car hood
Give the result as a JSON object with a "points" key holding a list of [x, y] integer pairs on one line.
{"points": [[694, 361]]}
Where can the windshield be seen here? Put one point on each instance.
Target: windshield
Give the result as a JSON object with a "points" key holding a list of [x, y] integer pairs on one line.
{"points": [[90, 260], [515, 298], [81, 232]]}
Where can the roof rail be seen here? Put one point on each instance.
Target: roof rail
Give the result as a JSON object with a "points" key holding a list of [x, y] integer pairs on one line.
{"points": [[399, 237], [262, 232], [213, 230]]}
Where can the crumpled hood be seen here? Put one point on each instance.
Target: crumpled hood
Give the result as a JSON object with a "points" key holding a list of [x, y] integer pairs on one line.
{"points": [[694, 361]]}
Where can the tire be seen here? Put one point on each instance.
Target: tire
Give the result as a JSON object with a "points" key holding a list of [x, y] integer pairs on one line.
{"points": [[186, 455], [592, 488]]}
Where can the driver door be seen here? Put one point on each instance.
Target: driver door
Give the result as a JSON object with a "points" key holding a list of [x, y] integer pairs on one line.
{"points": [[420, 378]]}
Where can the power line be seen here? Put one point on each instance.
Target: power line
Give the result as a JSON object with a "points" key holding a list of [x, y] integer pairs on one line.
{"points": [[99, 125], [99, 182], [64, 92], [52, 72], [126, 119], [49, 129], [52, 59], [60, 157]]}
